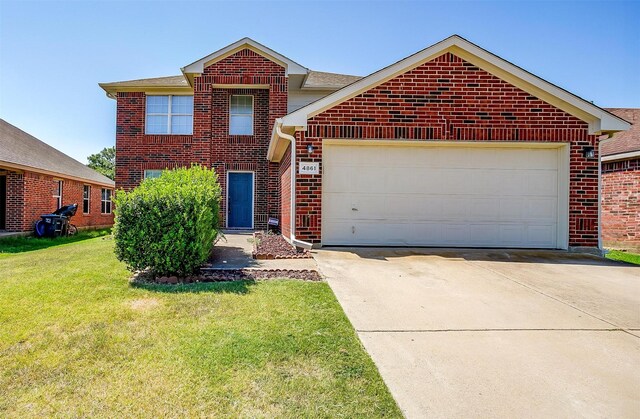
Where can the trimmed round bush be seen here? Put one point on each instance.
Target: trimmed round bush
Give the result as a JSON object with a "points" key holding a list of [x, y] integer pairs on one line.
{"points": [[168, 224]]}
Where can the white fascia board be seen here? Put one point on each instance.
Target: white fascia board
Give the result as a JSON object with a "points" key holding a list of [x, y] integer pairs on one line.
{"points": [[621, 156], [291, 67], [599, 120]]}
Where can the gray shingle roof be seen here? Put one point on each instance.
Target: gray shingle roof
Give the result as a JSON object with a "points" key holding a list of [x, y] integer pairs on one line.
{"points": [[18, 147], [624, 141], [169, 81], [321, 79], [315, 80]]}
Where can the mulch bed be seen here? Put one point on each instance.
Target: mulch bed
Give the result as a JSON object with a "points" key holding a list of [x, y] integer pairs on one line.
{"points": [[226, 275], [274, 246]]}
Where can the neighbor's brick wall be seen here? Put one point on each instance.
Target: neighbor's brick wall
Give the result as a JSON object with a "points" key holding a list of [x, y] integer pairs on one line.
{"points": [[211, 145], [285, 193], [621, 204], [73, 194], [38, 197], [450, 99], [15, 201], [29, 195]]}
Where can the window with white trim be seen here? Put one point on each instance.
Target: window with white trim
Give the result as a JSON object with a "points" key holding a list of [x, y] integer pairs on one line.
{"points": [[241, 115], [169, 115], [57, 194], [86, 198], [105, 201], [152, 174]]}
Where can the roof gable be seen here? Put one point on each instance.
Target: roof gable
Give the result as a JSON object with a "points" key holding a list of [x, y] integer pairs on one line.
{"points": [[598, 119], [197, 67]]}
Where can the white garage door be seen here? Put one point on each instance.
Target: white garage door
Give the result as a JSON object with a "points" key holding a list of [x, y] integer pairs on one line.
{"points": [[458, 196]]}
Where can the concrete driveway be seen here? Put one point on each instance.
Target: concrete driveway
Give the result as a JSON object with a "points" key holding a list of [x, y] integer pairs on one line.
{"points": [[493, 333]]}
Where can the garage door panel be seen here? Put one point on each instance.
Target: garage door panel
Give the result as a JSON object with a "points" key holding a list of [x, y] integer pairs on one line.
{"points": [[334, 178], [369, 181], [542, 183], [338, 205], [368, 207], [512, 235], [512, 183], [541, 235], [403, 180], [483, 181], [440, 196], [511, 209], [454, 208], [541, 209], [541, 159], [482, 233], [484, 209]]}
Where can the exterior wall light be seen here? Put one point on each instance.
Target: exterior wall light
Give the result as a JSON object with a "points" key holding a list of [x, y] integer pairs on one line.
{"points": [[588, 152], [310, 148]]}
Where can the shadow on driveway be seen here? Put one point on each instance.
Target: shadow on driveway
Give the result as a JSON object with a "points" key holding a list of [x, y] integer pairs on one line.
{"points": [[479, 255]]}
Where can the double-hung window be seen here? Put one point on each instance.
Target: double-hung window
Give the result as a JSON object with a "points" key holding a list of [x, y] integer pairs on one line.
{"points": [[169, 115], [86, 198], [241, 115], [57, 194], [105, 201]]}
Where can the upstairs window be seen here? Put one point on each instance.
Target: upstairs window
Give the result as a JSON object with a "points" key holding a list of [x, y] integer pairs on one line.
{"points": [[241, 115], [57, 194], [169, 115], [86, 197], [105, 201]]}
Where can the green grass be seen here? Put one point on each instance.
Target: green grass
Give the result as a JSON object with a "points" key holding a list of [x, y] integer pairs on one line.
{"points": [[628, 257], [30, 243], [76, 339]]}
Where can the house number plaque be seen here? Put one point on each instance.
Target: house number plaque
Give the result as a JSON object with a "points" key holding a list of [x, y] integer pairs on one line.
{"points": [[309, 168]]}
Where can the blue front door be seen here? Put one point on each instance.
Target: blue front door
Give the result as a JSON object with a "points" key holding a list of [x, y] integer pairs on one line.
{"points": [[240, 200]]}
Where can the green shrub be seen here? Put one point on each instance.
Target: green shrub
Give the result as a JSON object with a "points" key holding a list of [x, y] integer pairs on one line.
{"points": [[168, 224]]}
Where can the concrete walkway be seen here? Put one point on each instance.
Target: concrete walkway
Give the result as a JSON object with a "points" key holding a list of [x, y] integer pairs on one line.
{"points": [[235, 249], [479, 333]]}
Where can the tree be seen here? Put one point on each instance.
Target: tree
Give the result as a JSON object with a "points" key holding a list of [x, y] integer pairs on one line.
{"points": [[104, 162]]}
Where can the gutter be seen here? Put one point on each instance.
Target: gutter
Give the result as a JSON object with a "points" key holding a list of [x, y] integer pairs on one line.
{"points": [[620, 156], [600, 200], [63, 176], [278, 129]]}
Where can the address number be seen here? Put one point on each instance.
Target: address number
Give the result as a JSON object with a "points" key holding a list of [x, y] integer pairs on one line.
{"points": [[309, 168]]}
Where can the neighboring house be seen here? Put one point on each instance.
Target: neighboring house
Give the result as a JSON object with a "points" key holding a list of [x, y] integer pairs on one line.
{"points": [[620, 157], [451, 146], [37, 179]]}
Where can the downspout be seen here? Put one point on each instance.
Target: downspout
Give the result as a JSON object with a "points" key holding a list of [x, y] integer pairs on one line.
{"points": [[600, 248], [292, 214]]}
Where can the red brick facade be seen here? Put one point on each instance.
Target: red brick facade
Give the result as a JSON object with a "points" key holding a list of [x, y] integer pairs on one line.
{"points": [[621, 204], [285, 193], [211, 145], [30, 195], [453, 100]]}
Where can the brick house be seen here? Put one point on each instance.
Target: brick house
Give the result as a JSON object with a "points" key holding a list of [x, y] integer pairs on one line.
{"points": [[451, 146], [36, 179], [620, 162]]}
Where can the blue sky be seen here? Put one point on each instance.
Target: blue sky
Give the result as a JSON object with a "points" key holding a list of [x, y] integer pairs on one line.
{"points": [[53, 54]]}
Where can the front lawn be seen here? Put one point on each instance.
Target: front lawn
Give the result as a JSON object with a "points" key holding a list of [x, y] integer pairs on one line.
{"points": [[77, 340], [628, 257]]}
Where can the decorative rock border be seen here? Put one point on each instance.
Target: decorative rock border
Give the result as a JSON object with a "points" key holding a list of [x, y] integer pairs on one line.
{"points": [[228, 275]]}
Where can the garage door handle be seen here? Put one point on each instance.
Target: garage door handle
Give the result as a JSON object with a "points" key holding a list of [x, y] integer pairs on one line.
{"points": [[354, 209]]}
